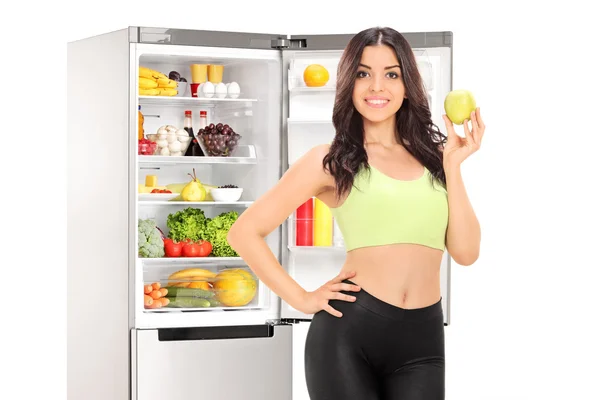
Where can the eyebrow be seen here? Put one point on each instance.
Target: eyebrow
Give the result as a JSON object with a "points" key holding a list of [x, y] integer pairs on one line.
{"points": [[390, 67]]}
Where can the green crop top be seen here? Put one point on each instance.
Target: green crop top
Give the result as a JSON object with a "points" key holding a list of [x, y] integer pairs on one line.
{"points": [[382, 210]]}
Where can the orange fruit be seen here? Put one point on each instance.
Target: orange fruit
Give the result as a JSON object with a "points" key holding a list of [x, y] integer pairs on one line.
{"points": [[316, 75]]}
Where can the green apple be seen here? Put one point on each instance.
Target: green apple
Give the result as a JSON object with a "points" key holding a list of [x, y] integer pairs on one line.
{"points": [[458, 105]]}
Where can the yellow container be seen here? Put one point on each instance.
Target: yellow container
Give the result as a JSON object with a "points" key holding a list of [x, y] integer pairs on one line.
{"points": [[199, 72], [140, 123], [323, 225], [215, 73]]}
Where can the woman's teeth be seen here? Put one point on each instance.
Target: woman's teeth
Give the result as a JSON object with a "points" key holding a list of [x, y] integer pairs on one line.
{"points": [[377, 102]]}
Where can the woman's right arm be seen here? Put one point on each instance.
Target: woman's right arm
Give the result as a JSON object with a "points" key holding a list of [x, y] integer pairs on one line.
{"points": [[304, 179]]}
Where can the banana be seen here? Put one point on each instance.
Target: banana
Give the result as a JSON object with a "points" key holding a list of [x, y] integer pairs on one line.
{"points": [[151, 74], [147, 83], [149, 92], [166, 91], [195, 273], [166, 83], [193, 283]]}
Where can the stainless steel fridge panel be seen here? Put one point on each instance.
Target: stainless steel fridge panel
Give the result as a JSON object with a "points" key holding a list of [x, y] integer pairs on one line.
{"points": [[193, 37], [225, 363], [339, 41]]}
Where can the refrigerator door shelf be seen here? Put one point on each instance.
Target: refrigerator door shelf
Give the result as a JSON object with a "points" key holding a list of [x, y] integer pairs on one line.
{"points": [[315, 129]]}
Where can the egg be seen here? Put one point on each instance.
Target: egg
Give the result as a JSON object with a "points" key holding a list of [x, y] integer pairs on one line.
{"points": [[199, 92], [208, 89], [233, 90], [221, 90]]}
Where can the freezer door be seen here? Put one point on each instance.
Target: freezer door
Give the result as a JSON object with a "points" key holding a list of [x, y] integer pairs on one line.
{"points": [[225, 363], [306, 122]]}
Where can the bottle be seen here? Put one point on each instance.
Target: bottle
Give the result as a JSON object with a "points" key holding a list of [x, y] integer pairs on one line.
{"points": [[203, 122], [323, 226], [304, 224], [193, 149], [140, 123]]}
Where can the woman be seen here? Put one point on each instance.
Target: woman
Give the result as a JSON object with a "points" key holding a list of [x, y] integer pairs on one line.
{"points": [[398, 197]]}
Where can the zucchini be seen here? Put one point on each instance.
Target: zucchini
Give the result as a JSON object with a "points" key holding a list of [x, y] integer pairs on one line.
{"points": [[188, 302], [177, 292]]}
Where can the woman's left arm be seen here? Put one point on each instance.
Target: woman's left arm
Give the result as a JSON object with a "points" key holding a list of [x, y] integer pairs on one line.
{"points": [[463, 236]]}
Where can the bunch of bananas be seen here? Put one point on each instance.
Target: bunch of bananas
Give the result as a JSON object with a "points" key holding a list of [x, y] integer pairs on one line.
{"points": [[154, 83]]}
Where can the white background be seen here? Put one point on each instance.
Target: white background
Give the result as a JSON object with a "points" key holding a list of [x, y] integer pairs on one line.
{"points": [[524, 317]]}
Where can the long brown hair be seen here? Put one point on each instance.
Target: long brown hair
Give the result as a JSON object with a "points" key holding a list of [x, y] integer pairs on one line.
{"points": [[415, 129]]}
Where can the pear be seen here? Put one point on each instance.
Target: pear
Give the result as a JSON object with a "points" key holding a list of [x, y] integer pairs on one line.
{"points": [[193, 191]]}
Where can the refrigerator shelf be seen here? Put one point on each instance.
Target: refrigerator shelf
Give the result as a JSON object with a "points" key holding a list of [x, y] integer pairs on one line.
{"points": [[244, 154], [188, 101], [172, 310], [171, 261], [197, 203]]}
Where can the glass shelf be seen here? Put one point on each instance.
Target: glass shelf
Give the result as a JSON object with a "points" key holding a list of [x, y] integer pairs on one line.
{"points": [[189, 101], [242, 155]]}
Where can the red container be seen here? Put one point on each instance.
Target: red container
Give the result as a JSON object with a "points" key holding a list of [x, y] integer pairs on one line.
{"points": [[304, 224]]}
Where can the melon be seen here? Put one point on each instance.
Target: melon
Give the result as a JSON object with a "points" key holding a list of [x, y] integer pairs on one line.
{"points": [[235, 287]]}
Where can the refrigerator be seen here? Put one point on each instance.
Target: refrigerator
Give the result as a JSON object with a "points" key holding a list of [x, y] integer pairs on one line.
{"points": [[118, 346]]}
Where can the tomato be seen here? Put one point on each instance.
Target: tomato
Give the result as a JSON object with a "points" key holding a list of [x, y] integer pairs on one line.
{"points": [[155, 191], [191, 249], [172, 249], [205, 248]]}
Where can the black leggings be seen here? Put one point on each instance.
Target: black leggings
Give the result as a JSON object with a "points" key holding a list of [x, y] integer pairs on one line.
{"points": [[376, 351]]}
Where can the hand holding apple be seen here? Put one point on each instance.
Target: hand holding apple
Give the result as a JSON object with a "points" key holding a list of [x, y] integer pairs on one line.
{"points": [[457, 149]]}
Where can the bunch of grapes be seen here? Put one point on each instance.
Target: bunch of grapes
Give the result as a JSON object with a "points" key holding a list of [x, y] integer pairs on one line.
{"points": [[219, 139], [228, 187]]}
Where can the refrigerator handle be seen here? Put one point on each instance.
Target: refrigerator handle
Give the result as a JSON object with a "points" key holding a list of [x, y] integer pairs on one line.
{"points": [[215, 332]]}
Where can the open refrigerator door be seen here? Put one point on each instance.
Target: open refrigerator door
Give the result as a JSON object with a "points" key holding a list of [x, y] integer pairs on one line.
{"points": [[313, 248]]}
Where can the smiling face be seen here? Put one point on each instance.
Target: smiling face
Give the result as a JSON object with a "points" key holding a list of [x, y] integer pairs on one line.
{"points": [[378, 87]]}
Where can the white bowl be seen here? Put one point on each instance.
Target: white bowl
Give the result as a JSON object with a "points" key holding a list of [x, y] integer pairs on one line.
{"points": [[226, 194]]}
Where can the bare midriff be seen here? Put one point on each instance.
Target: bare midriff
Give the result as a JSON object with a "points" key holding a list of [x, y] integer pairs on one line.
{"points": [[404, 275]]}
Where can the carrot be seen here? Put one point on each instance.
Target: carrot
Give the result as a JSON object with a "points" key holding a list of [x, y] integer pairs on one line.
{"points": [[147, 289], [155, 294], [156, 285], [156, 304], [148, 300], [164, 301], [163, 291]]}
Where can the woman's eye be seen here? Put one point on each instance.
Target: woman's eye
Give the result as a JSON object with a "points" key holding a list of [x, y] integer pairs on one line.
{"points": [[393, 75], [361, 74]]}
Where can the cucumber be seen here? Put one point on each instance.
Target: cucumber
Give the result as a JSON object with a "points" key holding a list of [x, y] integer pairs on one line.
{"points": [[188, 302], [188, 292], [214, 302]]}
